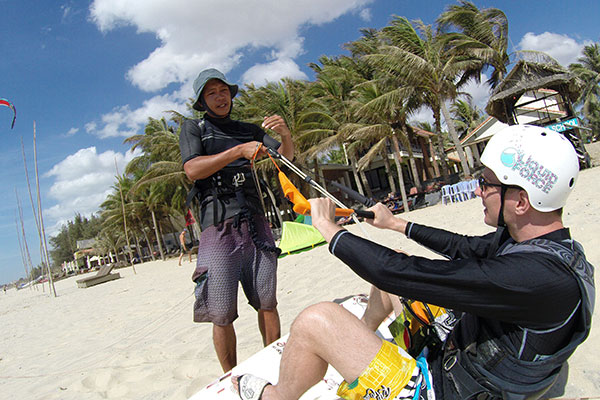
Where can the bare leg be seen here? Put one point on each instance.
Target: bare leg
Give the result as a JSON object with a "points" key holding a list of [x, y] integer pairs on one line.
{"points": [[322, 334], [180, 257], [380, 305], [269, 326], [224, 341]]}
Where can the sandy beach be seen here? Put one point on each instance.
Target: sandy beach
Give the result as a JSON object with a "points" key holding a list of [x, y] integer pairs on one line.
{"points": [[133, 338]]}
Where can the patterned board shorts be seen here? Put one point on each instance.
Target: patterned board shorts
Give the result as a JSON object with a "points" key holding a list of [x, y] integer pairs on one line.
{"points": [[392, 374], [227, 255]]}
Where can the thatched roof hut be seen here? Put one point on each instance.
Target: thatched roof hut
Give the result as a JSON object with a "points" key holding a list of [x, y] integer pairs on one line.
{"points": [[526, 76]]}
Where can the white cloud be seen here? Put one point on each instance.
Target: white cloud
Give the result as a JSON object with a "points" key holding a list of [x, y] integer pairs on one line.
{"points": [[81, 183], [365, 14], [195, 35], [563, 48], [423, 114], [122, 121], [273, 72], [71, 132], [199, 34], [480, 92]]}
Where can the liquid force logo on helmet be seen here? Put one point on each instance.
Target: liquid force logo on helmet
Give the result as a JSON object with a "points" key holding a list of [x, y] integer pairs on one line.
{"points": [[529, 169], [509, 157]]}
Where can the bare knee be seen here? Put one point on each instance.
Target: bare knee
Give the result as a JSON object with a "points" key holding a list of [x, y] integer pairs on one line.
{"points": [[317, 320]]}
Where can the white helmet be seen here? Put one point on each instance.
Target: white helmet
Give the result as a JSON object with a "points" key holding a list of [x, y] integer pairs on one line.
{"points": [[539, 160]]}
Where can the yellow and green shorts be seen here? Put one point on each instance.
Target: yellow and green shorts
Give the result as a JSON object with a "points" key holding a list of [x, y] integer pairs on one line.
{"points": [[392, 374]]}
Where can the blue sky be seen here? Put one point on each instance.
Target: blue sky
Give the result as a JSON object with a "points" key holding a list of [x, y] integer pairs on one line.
{"points": [[90, 74]]}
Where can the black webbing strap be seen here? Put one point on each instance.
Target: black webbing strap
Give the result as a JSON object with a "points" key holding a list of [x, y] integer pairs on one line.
{"points": [[466, 386], [246, 215]]}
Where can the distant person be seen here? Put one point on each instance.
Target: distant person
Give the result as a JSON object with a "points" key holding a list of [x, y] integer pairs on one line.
{"points": [[526, 292], [236, 243], [184, 247]]}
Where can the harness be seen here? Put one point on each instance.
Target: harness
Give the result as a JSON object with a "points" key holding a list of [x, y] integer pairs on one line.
{"points": [[487, 369], [227, 192]]}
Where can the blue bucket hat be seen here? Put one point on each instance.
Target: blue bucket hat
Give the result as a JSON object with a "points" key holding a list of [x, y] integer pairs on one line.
{"points": [[206, 76]]}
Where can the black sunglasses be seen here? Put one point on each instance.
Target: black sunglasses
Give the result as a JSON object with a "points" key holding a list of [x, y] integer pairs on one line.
{"points": [[483, 184]]}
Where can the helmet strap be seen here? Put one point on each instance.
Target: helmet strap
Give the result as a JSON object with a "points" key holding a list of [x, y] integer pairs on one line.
{"points": [[501, 225], [501, 222]]}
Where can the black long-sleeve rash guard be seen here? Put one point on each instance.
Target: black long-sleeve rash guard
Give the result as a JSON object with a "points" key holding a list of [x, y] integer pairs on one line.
{"points": [[533, 290]]}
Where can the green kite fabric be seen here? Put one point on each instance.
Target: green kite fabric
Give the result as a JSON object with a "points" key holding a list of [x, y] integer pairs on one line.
{"points": [[297, 236]]}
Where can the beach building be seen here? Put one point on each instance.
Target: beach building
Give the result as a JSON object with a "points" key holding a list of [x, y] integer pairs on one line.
{"points": [[534, 94]]}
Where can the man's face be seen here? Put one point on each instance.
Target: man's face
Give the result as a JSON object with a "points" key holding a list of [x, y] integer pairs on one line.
{"points": [[217, 97], [490, 197]]}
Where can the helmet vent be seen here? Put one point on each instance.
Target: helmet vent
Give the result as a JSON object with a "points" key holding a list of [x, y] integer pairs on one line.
{"points": [[543, 133], [571, 182]]}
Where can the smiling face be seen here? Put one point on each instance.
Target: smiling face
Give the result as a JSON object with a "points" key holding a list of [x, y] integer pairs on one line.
{"points": [[217, 96]]}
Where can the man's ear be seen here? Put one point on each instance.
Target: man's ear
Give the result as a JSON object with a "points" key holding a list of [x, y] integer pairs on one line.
{"points": [[523, 204]]}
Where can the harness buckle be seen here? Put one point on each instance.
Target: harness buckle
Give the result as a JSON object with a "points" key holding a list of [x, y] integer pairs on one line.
{"points": [[449, 362], [239, 179]]}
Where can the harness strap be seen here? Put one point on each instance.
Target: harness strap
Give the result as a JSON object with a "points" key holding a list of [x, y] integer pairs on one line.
{"points": [[464, 383], [245, 215]]}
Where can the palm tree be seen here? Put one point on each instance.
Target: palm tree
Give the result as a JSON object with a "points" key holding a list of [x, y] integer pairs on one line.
{"points": [[466, 116], [160, 161], [420, 59], [381, 118], [588, 70], [116, 210], [483, 34], [329, 109]]}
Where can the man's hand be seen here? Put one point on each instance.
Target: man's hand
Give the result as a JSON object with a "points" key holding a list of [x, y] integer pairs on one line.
{"points": [[322, 212], [277, 124], [384, 219], [248, 150]]}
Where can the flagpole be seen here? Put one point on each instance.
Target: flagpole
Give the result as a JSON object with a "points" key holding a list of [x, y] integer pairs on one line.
{"points": [[41, 217], [124, 218]]}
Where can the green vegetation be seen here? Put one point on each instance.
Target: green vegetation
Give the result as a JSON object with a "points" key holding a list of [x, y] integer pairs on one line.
{"points": [[357, 107]]}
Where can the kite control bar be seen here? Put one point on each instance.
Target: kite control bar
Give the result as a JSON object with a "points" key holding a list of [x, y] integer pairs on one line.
{"points": [[301, 204], [354, 194]]}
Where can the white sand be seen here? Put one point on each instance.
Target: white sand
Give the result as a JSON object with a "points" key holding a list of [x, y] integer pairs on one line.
{"points": [[133, 338]]}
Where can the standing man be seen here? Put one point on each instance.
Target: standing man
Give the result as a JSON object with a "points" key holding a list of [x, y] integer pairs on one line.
{"points": [[526, 292], [236, 244], [184, 248]]}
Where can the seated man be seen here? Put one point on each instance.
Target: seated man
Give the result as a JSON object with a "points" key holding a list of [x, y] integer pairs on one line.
{"points": [[526, 292]]}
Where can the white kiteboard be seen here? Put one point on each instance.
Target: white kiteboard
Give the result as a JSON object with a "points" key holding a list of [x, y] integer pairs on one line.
{"points": [[265, 364]]}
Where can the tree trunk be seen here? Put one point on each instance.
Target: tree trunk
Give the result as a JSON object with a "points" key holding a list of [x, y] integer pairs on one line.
{"points": [[173, 230], [388, 171], [398, 160], [436, 167], [137, 246], [455, 140], [365, 183], [359, 185], [440, 138], [150, 247], [411, 158], [158, 238], [313, 191]]}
